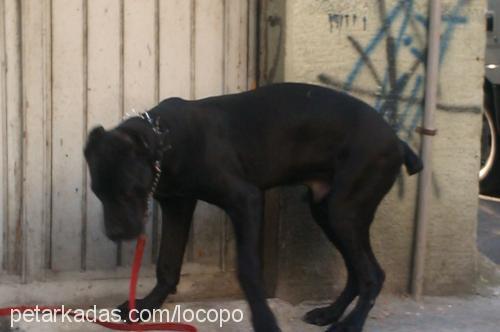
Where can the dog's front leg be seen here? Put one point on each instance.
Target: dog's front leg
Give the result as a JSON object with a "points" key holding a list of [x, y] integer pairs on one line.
{"points": [[177, 214], [246, 212]]}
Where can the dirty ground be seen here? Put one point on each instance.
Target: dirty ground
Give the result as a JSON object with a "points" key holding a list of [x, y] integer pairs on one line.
{"points": [[474, 313]]}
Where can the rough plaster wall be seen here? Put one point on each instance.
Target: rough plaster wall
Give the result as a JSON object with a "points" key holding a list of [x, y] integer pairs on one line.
{"points": [[344, 44]]}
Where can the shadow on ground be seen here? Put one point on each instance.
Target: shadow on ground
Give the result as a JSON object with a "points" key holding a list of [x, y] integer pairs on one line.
{"points": [[488, 228]]}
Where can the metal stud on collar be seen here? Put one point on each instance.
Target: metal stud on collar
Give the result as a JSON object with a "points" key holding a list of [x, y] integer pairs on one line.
{"points": [[155, 126], [157, 168]]}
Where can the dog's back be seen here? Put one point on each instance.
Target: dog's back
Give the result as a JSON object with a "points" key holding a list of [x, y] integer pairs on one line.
{"points": [[282, 132]]}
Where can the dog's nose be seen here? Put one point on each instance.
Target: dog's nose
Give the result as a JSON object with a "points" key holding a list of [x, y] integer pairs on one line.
{"points": [[119, 233]]}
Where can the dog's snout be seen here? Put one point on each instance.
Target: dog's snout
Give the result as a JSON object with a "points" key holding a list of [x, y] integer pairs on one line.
{"points": [[122, 227], [121, 222]]}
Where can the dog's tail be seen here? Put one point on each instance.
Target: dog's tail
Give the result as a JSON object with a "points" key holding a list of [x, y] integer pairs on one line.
{"points": [[412, 162]]}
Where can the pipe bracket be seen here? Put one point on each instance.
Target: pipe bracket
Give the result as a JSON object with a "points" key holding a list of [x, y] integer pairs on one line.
{"points": [[426, 131]]}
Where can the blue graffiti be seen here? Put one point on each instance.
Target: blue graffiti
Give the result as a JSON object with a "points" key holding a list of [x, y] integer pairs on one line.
{"points": [[413, 96], [372, 45], [401, 34], [400, 17]]}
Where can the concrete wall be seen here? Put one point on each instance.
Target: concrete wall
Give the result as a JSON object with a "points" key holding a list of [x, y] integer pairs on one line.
{"points": [[375, 49]]}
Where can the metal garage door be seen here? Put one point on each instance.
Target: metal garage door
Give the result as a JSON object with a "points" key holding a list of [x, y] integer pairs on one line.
{"points": [[68, 65]]}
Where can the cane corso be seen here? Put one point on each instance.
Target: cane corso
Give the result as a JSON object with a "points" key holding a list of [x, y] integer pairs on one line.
{"points": [[227, 150]]}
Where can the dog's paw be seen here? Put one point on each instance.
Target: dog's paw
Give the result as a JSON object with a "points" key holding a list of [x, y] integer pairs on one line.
{"points": [[263, 320], [322, 316], [344, 327], [124, 312], [142, 313], [266, 328]]}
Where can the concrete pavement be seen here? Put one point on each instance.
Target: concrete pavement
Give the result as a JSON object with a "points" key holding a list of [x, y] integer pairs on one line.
{"points": [[479, 313]]}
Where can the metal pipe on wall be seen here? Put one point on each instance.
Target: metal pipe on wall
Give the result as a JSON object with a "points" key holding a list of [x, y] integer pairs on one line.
{"points": [[427, 131]]}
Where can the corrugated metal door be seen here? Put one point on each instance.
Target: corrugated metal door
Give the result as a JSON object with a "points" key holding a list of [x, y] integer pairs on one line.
{"points": [[68, 65]]}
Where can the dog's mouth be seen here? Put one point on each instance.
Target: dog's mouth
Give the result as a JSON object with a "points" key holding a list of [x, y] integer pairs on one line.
{"points": [[124, 220], [122, 236], [123, 229]]}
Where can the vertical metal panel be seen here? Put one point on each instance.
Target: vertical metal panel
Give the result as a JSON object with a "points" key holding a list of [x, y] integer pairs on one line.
{"points": [[104, 108], [235, 80], [251, 47], [236, 40], [13, 132], [140, 79], [209, 80], [175, 48], [154, 242], [209, 56], [3, 135], [68, 132], [173, 19], [84, 63], [36, 125]]}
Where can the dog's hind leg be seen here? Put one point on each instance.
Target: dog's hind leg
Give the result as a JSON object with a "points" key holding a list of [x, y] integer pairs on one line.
{"points": [[353, 233], [332, 313], [350, 208], [352, 211]]}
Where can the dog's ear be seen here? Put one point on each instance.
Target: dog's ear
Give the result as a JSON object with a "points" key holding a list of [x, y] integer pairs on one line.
{"points": [[95, 135]]}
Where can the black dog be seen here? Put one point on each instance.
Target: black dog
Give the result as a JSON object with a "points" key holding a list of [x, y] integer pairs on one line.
{"points": [[226, 151]]}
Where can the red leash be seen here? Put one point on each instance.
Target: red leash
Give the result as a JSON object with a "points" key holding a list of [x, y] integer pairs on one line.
{"points": [[136, 266]]}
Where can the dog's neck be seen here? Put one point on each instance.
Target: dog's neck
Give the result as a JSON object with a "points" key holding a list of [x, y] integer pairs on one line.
{"points": [[146, 131], [173, 143]]}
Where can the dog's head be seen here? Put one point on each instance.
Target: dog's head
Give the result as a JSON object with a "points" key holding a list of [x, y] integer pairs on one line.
{"points": [[121, 177]]}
